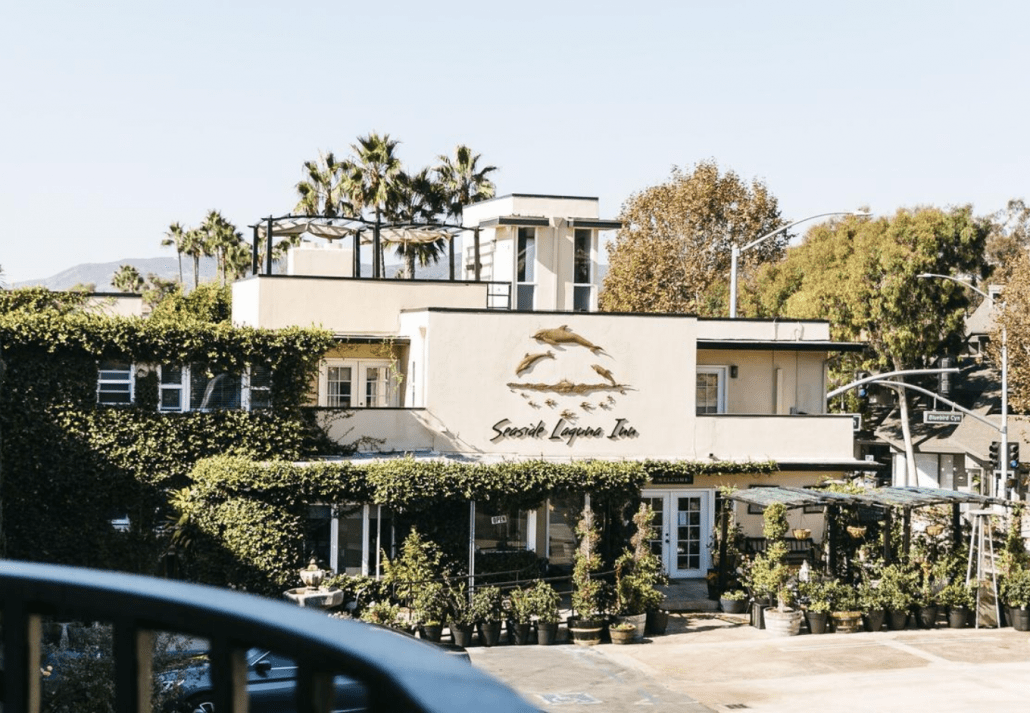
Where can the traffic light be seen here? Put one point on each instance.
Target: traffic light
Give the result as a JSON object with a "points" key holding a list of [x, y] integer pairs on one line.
{"points": [[863, 389], [995, 459], [944, 380], [1013, 455]]}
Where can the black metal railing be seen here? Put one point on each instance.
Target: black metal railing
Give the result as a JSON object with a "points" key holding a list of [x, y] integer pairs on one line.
{"points": [[398, 673]]}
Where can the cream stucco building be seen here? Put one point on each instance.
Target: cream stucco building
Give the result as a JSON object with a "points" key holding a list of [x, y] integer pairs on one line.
{"points": [[513, 361]]}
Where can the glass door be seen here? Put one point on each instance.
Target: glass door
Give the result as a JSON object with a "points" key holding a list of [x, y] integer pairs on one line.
{"points": [[682, 527]]}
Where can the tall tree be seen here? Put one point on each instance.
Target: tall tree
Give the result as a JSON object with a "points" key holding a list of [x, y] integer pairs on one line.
{"points": [[862, 276], [324, 190], [1009, 241], [127, 279], [463, 180], [222, 240], [176, 238], [193, 246], [371, 180], [673, 252], [1015, 316], [417, 199]]}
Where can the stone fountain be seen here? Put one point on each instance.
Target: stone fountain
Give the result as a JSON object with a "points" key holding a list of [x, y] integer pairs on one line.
{"points": [[313, 594]]}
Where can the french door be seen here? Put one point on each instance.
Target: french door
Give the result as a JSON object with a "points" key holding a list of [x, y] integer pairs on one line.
{"points": [[348, 383], [682, 526]]}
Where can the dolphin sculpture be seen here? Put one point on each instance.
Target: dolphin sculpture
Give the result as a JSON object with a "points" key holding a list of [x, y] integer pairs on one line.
{"points": [[531, 359], [564, 335]]}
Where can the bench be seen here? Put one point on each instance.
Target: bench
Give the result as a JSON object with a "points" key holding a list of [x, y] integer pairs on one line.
{"points": [[798, 551]]}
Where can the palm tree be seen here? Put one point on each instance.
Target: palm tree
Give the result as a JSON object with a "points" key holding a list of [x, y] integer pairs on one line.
{"points": [[127, 279], [418, 199], [221, 237], [323, 192], [175, 237], [463, 180], [371, 180], [193, 246]]}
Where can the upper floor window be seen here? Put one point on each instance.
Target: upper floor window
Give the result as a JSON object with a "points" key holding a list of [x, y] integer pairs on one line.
{"points": [[582, 264], [525, 269], [114, 383], [711, 390]]}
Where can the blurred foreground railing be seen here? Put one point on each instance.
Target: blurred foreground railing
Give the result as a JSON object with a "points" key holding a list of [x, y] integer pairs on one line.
{"points": [[400, 674]]}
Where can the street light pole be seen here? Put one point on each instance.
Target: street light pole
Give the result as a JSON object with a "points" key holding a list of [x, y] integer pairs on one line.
{"points": [[736, 250], [1004, 455]]}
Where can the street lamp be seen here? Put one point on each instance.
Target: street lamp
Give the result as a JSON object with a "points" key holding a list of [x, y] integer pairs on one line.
{"points": [[736, 251], [1004, 459]]}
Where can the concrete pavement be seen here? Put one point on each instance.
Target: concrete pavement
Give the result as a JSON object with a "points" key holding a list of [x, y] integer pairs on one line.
{"points": [[717, 663]]}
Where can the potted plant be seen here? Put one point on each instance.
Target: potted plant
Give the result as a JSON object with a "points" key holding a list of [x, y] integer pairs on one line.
{"points": [[429, 609], [462, 618], [383, 614], [623, 633], [873, 605], [815, 598], [543, 601], [1015, 592], [734, 601], [897, 585], [586, 627], [771, 574], [844, 608], [638, 574], [960, 599], [927, 598], [520, 615], [487, 611]]}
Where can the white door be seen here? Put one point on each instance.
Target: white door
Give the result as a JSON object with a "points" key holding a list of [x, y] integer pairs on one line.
{"points": [[682, 527]]}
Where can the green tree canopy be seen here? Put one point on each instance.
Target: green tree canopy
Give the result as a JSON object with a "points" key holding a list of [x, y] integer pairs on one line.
{"points": [[862, 276], [1015, 316], [673, 252]]}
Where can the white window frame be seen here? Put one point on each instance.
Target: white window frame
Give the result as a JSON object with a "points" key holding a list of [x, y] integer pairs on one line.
{"points": [[359, 382], [130, 378], [721, 373], [530, 265], [589, 286], [184, 388]]}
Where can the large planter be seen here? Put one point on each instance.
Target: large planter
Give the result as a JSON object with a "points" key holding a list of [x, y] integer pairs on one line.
{"points": [[546, 632], [732, 606], [897, 620], [817, 621], [874, 619], [928, 617], [489, 632], [1020, 617], [958, 618], [847, 622], [624, 634], [518, 634], [432, 632], [783, 623], [639, 622], [585, 632], [657, 622], [462, 634]]}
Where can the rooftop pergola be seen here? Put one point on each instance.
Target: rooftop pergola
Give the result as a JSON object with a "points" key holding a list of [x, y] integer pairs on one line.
{"points": [[360, 230], [907, 498]]}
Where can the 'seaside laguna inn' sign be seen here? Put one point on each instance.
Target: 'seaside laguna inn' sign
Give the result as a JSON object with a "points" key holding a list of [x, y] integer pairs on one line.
{"points": [[562, 431]]}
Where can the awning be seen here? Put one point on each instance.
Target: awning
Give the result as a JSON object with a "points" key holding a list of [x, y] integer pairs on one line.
{"points": [[529, 221], [338, 228], [595, 223], [775, 345], [898, 496]]}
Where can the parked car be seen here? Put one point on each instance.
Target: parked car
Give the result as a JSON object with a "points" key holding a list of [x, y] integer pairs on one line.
{"points": [[271, 683]]}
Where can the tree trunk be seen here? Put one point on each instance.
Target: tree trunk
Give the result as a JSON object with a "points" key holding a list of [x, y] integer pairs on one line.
{"points": [[409, 260], [906, 432], [179, 253], [196, 271]]}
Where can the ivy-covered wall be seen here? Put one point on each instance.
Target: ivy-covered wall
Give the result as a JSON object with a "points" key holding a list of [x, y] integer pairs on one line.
{"points": [[67, 466], [243, 521]]}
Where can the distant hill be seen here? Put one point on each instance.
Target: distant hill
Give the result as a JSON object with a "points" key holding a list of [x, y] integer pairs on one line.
{"points": [[100, 273]]}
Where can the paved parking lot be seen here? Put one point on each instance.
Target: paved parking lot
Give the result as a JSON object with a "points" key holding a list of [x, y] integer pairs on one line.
{"points": [[708, 663]]}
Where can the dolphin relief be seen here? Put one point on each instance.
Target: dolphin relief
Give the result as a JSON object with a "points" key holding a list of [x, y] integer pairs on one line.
{"points": [[564, 335], [531, 359]]}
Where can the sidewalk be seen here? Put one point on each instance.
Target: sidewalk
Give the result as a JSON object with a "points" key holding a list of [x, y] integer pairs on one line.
{"points": [[725, 664]]}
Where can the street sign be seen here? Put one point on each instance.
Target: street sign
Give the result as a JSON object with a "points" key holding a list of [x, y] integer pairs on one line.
{"points": [[942, 417]]}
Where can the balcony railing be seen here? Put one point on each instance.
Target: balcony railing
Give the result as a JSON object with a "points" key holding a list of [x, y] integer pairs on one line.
{"points": [[399, 674]]}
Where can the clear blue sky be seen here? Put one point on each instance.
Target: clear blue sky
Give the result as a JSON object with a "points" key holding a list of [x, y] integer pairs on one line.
{"points": [[119, 118]]}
